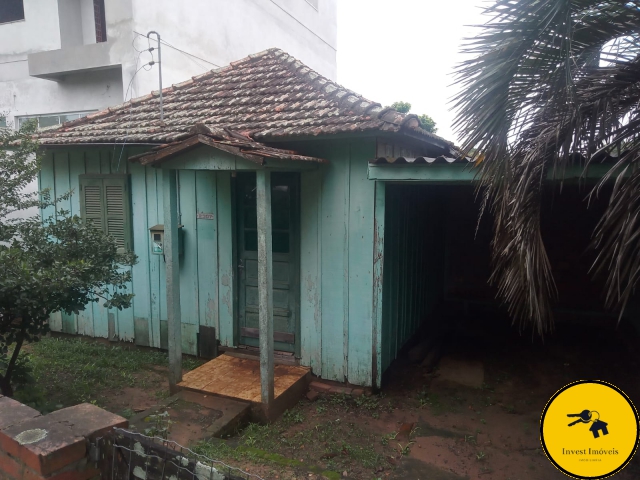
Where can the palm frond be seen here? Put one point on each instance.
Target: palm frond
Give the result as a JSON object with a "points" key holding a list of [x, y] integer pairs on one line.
{"points": [[552, 82]]}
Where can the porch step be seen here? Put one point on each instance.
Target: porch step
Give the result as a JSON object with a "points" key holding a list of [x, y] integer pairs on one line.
{"points": [[239, 379]]}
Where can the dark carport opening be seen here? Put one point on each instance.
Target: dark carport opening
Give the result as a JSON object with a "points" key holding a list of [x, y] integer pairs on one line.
{"points": [[437, 262]]}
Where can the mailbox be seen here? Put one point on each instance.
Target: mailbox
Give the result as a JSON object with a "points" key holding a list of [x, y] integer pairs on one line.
{"points": [[157, 239]]}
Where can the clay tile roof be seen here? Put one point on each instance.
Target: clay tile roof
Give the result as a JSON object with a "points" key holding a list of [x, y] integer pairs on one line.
{"points": [[266, 96]]}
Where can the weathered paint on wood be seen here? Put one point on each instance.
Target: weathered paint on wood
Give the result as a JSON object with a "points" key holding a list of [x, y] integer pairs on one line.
{"points": [[142, 288], [360, 264], [378, 284], [265, 287], [189, 284], [172, 261], [207, 236], [310, 271], [338, 338], [336, 271], [332, 276], [226, 264], [156, 262]]}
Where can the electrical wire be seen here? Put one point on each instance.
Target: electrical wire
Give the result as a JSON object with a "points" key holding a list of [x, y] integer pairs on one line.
{"points": [[191, 57], [314, 33], [126, 137], [133, 44], [150, 66], [164, 42], [140, 52]]}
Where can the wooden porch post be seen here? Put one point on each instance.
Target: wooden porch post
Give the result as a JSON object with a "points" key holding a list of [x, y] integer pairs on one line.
{"points": [[172, 264], [265, 287]]}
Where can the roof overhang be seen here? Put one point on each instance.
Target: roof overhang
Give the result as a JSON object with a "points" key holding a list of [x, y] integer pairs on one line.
{"points": [[257, 154]]}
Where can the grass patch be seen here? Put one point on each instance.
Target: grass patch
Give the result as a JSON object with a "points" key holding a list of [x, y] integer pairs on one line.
{"points": [[218, 449], [297, 440], [372, 405], [71, 371]]}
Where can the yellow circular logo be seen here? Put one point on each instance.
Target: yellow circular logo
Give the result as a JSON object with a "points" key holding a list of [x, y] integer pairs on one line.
{"points": [[589, 429]]}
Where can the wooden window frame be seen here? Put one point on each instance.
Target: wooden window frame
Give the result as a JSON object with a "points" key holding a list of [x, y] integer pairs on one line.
{"points": [[105, 180]]}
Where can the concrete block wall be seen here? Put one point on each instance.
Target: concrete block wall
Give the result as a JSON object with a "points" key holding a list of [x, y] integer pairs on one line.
{"points": [[54, 446]]}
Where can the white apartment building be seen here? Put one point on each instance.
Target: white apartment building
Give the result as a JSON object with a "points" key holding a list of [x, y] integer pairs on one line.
{"points": [[60, 59]]}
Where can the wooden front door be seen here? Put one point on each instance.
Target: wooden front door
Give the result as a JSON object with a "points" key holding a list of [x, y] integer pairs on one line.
{"points": [[285, 241]]}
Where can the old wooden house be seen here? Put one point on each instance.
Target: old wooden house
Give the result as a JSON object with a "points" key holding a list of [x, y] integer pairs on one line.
{"points": [[197, 174], [369, 228]]}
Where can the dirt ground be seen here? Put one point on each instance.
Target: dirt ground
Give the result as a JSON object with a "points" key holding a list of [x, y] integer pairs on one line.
{"points": [[152, 385], [449, 423], [426, 426], [493, 431]]}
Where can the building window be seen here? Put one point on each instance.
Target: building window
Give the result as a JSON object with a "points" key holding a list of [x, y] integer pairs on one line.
{"points": [[43, 121], [3, 121], [100, 21], [105, 205], [11, 11]]}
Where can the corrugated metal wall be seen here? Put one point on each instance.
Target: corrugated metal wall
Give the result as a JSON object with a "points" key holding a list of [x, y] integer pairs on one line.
{"points": [[414, 252]]}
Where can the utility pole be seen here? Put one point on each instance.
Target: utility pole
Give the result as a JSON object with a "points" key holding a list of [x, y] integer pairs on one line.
{"points": [[159, 70]]}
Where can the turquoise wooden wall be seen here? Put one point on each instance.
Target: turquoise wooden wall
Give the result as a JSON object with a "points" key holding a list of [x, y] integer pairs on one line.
{"points": [[337, 225], [205, 268], [336, 268]]}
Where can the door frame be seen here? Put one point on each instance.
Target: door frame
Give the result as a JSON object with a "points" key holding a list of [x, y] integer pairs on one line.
{"points": [[295, 252]]}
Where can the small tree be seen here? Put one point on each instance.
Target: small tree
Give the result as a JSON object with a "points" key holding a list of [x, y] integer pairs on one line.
{"points": [[402, 107], [426, 122], [53, 265]]}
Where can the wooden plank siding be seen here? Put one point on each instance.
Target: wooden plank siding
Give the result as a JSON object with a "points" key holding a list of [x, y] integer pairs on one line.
{"points": [[336, 270], [206, 203], [199, 278], [226, 262], [338, 337], [310, 270]]}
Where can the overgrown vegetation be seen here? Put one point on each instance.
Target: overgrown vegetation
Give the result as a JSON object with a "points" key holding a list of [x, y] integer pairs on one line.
{"points": [[317, 439], [426, 122], [57, 264], [70, 371]]}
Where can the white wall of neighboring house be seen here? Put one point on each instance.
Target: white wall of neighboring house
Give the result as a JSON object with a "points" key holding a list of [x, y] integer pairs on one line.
{"points": [[221, 31], [51, 28], [51, 64]]}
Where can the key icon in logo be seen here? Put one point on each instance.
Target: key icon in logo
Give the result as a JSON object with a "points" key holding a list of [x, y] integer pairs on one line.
{"points": [[590, 416]]}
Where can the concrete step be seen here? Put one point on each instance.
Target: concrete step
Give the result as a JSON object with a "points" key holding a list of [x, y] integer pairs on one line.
{"points": [[193, 416]]}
